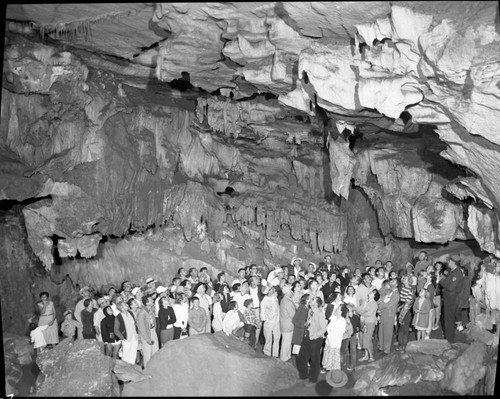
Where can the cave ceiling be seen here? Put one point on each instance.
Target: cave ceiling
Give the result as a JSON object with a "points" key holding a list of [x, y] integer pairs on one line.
{"points": [[415, 85]]}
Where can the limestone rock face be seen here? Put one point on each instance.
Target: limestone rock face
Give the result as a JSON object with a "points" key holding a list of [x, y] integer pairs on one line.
{"points": [[18, 352], [212, 365], [76, 368]]}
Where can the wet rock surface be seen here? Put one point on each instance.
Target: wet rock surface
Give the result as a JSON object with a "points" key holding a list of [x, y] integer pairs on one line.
{"points": [[75, 368], [212, 365], [18, 352]]}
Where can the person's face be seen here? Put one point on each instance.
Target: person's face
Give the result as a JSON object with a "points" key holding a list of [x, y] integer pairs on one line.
{"points": [[430, 269], [310, 268], [196, 304], [393, 275], [324, 274], [68, 316], [350, 291], [165, 302], [314, 286], [296, 264], [201, 289], [438, 266], [302, 284], [44, 298], [388, 266], [139, 295], [244, 287], [127, 287], [225, 290], [253, 270], [333, 277], [319, 278], [422, 256], [182, 272], [380, 273], [241, 273], [111, 292], [194, 272], [109, 311], [368, 279], [357, 272], [328, 259], [372, 271], [291, 279]]}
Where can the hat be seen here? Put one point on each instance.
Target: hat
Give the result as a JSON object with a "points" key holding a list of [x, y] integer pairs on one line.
{"points": [[279, 269], [100, 301], [455, 258], [135, 291], [126, 283], [150, 280], [314, 265], [295, 258], [160, 289], [336, 378], [82, 290], [67, 312]]}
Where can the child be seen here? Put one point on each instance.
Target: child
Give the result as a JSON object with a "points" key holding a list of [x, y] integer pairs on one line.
{"points": [[69, 325], [335, 332], [197, 318], [251, 323], [421, 308]]}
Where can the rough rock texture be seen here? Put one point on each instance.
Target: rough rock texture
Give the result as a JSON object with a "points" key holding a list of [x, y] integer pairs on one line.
{"points": [[212, 365], [18, 352], [76, 368], [402, 368], [462, 374]]}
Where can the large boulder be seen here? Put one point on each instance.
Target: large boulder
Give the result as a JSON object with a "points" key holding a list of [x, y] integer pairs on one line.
{"points": [[212, 365], [76, 368], [18, 352]]}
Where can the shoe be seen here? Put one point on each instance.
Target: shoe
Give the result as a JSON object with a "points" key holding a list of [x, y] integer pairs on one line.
{"points": [[363, 359], [323, 371], [350, 368], [460, 328], [371, 360], [310, 384]]}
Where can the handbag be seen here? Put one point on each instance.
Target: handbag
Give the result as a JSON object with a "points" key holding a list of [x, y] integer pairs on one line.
{"points": [[184, 334]]}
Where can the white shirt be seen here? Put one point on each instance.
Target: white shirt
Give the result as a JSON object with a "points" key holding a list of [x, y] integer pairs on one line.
{"points": [[231, 322], [377, 283], [98, 316], [254, 294], [181, 314], [240, 299], [130, 327]]}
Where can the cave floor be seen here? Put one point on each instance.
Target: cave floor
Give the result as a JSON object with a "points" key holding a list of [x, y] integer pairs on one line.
{"points": [[322, 388]]}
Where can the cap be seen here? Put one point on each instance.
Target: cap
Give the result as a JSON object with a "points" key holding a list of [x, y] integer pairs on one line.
{"points": [[135, 291], [67, 312], [150, 280]]}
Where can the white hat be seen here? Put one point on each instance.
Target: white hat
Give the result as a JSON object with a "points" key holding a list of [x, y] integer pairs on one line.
{"points": [[279, 269], [336, 378], [150, 280], [135, 291], [83, 289], [160, 289]]}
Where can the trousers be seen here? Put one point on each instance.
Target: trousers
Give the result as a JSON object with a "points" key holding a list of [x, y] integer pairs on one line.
{"points": [[286, 346], [310, 351], [272, 338]]}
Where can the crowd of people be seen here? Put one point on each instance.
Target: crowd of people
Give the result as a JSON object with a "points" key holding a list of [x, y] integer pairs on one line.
{"points": [[321, 314]]}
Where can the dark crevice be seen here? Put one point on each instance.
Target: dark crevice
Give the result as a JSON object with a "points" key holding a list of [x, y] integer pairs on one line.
{"points": [[7, 205]]}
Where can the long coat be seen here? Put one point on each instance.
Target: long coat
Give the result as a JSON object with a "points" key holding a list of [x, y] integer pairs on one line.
{"points": [[299, 324]]}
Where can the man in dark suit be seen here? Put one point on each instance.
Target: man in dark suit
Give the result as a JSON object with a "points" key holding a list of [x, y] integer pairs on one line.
{"points": [[452, 286]]}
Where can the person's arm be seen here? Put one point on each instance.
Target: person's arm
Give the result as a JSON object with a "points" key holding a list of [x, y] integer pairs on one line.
{"points": [[172, 318]]}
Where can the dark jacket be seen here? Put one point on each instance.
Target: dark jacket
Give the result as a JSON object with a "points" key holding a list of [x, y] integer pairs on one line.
{"points": [[452, 285], [120, 330], [166, 317], [107, 329], [224, 303], [299, 324]]}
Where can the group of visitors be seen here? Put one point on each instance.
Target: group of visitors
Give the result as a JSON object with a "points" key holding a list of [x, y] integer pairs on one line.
{"points": [[322, 314]]}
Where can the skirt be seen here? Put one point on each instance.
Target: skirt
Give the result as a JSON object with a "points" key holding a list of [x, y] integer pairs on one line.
{"points": [[51, 333]]}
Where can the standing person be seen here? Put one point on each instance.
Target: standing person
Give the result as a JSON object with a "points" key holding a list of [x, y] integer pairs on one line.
{"points": [[147, 329], [197, 318], [299, 323], [200, 291], [313, 289], [421, 309], [422, 263], [368, 318], [438, 299], [98, 316], [352, 343], [126, 331], [430, 286], [331, 285], [463, 303], [452, 286], [406, 298], [85, 293], [270, 313], [256, 294], [87, 315], [167, 319], [70, 325], [217, 314], [310, 349], [363, 289], [388, 306], [379, 278], [251, 321], [287, 311], [181, 311], [107, 328], [48, 318], [333, 343]]}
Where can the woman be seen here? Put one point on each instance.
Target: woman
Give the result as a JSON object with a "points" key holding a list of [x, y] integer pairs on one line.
{"points": [[310, 349], [344, 278], [350, 295], [313, 290], [368, 315], [181, 311], [48, 318], [225, 298], [87, 316], [126, 331], [296, 293], [421, 309], [335, 332], [437, 302], [430, 285], [111, 344], [166, 318], [299, 323]]}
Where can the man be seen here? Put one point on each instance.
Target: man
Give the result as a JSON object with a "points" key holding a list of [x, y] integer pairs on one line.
{"points": [[85, 293], [388, 268], [270, 313], [256, 294], [363, 289], [126, 293], [422, 263], [275, 276], [193, 276], [150, 288], [98, 316], [146, 326], [327, 265], [138, 295], [295, 267], [388, 306], [240, 277], [379, 278], [331, 285], [287, 311], [452, 286]]}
